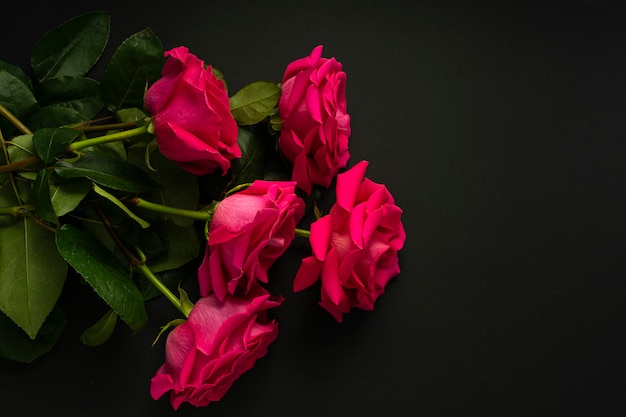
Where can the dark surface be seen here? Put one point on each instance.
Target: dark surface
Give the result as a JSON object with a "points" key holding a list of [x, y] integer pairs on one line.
{"points": [[500, 130]]}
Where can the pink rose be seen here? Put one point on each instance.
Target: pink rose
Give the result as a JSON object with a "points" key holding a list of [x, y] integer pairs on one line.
{"points": [[316, 126], [248, 231], [217, 343], [355, 247], [191, 115]]}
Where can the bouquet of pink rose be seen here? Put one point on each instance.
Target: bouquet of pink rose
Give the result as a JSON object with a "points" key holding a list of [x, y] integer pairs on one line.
{"points": [[155, 174]]}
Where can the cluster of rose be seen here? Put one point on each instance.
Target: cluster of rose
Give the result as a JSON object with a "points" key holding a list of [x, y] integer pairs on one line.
{"points": [[354, 246]]}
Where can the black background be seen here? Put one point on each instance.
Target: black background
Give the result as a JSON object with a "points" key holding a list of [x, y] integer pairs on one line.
{"points": [[500, 130]]}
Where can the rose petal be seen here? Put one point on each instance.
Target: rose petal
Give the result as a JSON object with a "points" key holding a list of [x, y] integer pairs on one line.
{"points": [[348, 185], [320, 236], [307, 274]]}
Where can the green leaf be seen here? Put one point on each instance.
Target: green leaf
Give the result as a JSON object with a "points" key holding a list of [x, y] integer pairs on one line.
{"points": [[7, 194], [53, 116], [254, 102], [275, 122], [136, 63], [144, 224], [172, 279], [41, 197], [50, 143], [7, 199], [17, 346], [66, 196], [179, 187], [170, 325], [181, 243], [252, 162], [131, 114], [15, 95], [20, 148], [101, 331], [31, 273], [17, 98], [107, 171], [103, 272], [92, 224], [185, 302], [115, 149], [72, 48], [150, 243], [77, 93], [17, 72]]}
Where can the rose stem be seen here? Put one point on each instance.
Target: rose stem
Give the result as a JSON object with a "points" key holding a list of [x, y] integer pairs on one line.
{"points": [[140, 264], [198, 215], [161, 287], [14, 120], [302, 232], [113, 137]]}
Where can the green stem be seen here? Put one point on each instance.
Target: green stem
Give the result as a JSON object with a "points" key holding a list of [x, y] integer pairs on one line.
{"points": [[161, 287], [237, 188], [4, 112], [140, 263], [14, 166], [198, 215], [113, 137], [15, 210], [11, 179], [303, 233], [110, 126]]}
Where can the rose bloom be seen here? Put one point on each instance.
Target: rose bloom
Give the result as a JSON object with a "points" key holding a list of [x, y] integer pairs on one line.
{"points": [[191, 115], [249, 230], [355, 247], [316, 126], [217, 343]]}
